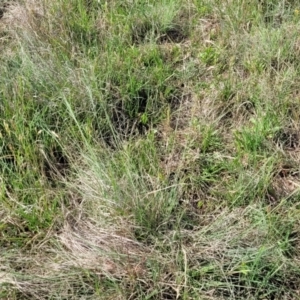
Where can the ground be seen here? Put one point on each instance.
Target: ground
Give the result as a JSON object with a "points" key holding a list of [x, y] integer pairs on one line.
{"points": [[149, 149]]}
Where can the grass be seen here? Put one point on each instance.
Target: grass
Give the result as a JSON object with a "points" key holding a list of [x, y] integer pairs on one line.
{"points": [[149, 149]]}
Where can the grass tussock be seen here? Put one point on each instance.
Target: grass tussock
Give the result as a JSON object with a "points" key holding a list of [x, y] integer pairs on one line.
{"points": [[149, 149]]}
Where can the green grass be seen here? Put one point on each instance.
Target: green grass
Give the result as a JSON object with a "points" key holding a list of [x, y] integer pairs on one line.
{"points": [[149, 149]]}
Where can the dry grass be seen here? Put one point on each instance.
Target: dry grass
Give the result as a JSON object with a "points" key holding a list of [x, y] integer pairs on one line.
{"points": [[149, 150]]}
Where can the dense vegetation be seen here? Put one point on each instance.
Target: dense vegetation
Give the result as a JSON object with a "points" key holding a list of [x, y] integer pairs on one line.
{"points": [[149, 149]]}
